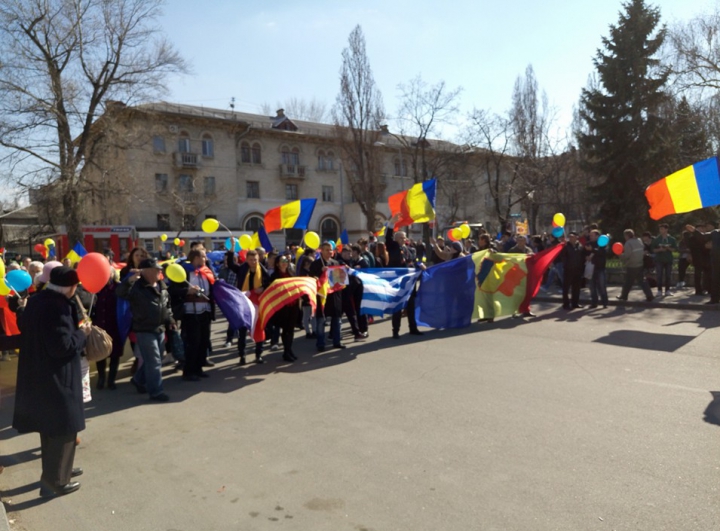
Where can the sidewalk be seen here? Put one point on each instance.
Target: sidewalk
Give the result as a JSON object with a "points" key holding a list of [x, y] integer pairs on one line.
{"points": [[680, 299]]}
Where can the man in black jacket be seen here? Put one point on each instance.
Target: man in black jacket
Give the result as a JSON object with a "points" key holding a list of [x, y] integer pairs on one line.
{"points": [[598, 256], [333, 303], [252, 278], [574, 265], [151, 313], [399, 256], [49, 398]]}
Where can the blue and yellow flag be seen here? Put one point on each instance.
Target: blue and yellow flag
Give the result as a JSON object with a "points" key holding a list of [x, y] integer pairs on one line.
{"points": [[76, 253]]}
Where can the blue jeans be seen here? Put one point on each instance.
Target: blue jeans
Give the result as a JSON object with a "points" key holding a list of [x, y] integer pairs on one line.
{"points": [[598, 287], [334, 331], [659, 270], [151, 348]]}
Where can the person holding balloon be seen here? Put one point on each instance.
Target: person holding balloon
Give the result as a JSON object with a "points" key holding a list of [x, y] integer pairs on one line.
{"points": [[151, 314], [632, 257], [573, 257], [597, 255]]}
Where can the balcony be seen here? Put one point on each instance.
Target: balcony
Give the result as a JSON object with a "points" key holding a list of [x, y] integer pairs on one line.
{"points": [[187, 160], [292, 171], [188, 198]]}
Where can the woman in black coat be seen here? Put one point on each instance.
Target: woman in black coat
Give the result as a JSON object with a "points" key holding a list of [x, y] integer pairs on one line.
{"points": [[286, 317], [49, 397]]}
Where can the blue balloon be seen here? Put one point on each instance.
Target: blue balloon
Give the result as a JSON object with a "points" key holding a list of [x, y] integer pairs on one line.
{"points": [[332, 244], [558, 231], [229, 244], [18, 280], [603, 240]]}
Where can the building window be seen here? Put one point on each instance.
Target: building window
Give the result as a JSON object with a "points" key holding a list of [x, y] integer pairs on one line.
{"points": [[291, 192], [327, 194], [321, 161], [245, 153], [253, 224], [329, 230], [210, 216], [149, 245], [209, 186], [400, 168], [158, 144], [189, 222], [208, 147], [186, 183], [291, 157], [256, 154], [163, 221], [252, 189], [184, 143], [330, 161], [161, 182]]}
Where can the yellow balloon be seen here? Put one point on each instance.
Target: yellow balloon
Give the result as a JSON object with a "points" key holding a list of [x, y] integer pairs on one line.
{"points": [[210, 225], [48, 242], [176, 273], [312, 240], [246, 242], [2, 269], [4, 289], [465, 230], [299, 253], [163, 237], [559, 219], [176, 241], [457, 233]]}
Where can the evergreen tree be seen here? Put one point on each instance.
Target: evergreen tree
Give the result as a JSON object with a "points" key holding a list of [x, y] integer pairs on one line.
{"points": [[624, 134], [693, 143]]}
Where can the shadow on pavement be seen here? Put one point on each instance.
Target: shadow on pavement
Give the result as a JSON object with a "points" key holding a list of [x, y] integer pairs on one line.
{"points": [[645, 340], [711, 414]]}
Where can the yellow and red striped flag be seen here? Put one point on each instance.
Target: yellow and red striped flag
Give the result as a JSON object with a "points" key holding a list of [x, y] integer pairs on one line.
{"points": [[280, 293]]}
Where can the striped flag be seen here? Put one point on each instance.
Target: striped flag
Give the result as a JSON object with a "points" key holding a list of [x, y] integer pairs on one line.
{"points": [[261, 239], [76, 253], [282, 292], [294, 215], [386, 291]]}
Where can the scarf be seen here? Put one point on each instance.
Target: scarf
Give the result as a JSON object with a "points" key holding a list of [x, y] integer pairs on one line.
{"points": [[257, 281]]}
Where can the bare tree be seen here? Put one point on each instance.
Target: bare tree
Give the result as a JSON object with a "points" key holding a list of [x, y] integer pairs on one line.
{"points": [[357, 116], [313, 110], [695, 47], [63, 62], [423, 109]]}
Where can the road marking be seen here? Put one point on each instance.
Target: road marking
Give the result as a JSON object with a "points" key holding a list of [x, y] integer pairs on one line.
{"points": [[673, 386]]}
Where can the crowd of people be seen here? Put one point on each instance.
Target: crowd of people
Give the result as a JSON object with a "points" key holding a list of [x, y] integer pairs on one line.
{"points": [[165, 318]]}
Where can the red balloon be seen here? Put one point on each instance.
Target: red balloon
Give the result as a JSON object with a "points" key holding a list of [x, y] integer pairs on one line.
{"points": [[450, 236], [182, 243], [555, 224], [617, 248], [94, 271], [40, 248], [242, 255]]}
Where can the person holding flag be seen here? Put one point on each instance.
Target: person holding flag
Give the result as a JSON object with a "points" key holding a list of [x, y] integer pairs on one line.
{"points": [[253, 279], [333, 303]]}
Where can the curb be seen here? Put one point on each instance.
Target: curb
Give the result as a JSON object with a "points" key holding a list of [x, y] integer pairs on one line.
{"points": [[642, 304]]}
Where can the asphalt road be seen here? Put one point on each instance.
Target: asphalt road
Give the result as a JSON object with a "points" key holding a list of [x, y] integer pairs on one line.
{"points": [[573, 421]]}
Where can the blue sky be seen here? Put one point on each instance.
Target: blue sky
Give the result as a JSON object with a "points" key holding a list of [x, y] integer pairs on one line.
{"points": [[270, 51]]}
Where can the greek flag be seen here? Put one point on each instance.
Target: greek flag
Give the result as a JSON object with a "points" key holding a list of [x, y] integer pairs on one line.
{"points": [[385, 290]]}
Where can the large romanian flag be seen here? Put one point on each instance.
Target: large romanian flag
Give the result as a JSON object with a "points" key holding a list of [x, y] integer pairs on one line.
{"points": [[295, 215], [694, 187], [416, 205], [261, 239], [76, 253], [480, 286]]}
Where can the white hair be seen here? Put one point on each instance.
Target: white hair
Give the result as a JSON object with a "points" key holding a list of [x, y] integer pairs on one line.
{"points": [[65, 290]]}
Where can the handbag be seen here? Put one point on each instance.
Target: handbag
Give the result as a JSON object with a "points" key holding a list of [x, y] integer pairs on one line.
{"points": [[98, 345], [589, 270]]}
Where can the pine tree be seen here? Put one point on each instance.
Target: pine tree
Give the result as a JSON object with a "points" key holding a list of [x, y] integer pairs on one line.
{"points": [[624, 131]]}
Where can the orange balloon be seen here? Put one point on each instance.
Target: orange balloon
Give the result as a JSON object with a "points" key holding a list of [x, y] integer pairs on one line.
{"points": [[94, 271]]}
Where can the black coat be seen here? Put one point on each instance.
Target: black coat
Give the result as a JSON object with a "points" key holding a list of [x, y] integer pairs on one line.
{"points": [[150, 306], [49, 395], [333, 303]]}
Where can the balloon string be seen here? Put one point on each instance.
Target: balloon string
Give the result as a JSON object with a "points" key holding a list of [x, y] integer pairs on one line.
{"points": [[92, 301]]}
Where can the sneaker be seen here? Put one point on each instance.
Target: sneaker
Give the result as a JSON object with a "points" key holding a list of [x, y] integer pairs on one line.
{"points": [[228, 344], [274, 347]]}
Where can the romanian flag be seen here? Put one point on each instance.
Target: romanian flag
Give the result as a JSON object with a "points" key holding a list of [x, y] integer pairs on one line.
{"points": [[282, 292], [480, 286], [380, 233], [76, 254], [261, 239], [694, 187], [416, 205], [295, 215], [343, 241]]}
